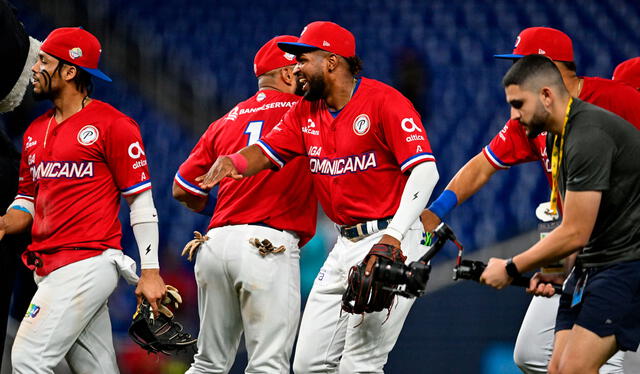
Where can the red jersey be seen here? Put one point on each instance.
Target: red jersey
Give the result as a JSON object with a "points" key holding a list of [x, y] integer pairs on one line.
{"points": [[359, 157], [75, 172], [511, 145], [283, 200]]}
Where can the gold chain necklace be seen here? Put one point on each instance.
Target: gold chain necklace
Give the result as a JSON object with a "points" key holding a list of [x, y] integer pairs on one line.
{"points": [[46, 134]]}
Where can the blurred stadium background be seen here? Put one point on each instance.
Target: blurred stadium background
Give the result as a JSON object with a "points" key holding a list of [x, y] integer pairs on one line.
{"points": [[177, 65]]}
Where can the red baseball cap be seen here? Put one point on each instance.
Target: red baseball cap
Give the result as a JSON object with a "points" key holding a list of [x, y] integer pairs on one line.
{"points": [[271, 57], [628, 72], [324, 35], [542, 41], [75, 46]]}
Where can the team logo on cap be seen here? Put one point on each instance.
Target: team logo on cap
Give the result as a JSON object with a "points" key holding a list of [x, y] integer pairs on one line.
{"points": [[88, 135], [260, 96], [541, 51], [517, 41], [361, 124], [326, 43], [75, 53]]}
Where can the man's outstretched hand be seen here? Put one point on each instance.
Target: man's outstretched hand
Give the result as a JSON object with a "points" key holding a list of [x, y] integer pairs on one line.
{"points": [[222, 168]]}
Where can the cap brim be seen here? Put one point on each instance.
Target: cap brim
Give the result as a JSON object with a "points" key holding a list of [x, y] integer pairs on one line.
{"points": [[510, 56], [296, 48], [96, 73]]}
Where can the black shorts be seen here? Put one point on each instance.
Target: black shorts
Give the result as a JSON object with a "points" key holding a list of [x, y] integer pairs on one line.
{"points": [[610, 303]]}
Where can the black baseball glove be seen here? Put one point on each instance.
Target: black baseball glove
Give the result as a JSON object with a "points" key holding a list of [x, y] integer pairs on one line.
{"points": [[366, 293], [160, 334]]}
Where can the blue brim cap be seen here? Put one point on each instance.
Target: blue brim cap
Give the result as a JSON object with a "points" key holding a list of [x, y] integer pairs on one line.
{"points": [[96, 73], [296, 48], [510, 56]]}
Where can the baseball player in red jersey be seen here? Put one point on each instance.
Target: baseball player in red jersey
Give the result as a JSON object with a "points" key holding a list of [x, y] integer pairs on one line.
{"points": [[241, 289], [512, 146], [628, 72], [77, 160], [373, 171]]}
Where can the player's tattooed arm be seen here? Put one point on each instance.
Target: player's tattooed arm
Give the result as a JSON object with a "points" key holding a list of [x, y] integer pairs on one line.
{"points": [[469, 180], [15, 221], [249, 161]]}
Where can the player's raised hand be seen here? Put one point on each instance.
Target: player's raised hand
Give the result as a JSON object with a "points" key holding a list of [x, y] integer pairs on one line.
{"points": [[151, 287], [222, 168], [429, 220]]}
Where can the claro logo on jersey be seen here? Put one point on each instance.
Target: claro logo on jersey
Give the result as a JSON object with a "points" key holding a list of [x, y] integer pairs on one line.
{"points": [[310, 128], [339, 166], [62, 169], [30, 142]]}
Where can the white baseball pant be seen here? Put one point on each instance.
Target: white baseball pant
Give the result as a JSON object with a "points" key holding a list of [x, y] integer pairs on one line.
{"points": [[332, 341], [68, 318], [534, 344], [239, 290]]}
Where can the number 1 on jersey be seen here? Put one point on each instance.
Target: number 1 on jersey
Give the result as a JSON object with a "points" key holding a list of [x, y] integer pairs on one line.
{"points": [[254, 129]]}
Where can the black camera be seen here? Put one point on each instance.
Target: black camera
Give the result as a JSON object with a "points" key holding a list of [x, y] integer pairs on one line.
{"points": [[414, 276], [469, 269], [472, 270]]}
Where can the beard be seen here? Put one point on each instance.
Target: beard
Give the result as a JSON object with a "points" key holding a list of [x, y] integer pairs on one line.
{"points": [[538, 122], [316, 88], [46, 91]]}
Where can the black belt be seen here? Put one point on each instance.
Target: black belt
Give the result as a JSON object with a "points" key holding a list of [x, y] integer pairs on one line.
{"points": [[365, 228]]}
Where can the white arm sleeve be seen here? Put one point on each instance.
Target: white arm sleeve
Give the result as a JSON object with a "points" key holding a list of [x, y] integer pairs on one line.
{"points": [[23, 205], [415, 197], [144, 221]]}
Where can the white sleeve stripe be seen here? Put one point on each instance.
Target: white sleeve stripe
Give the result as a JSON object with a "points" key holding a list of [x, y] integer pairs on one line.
{"points": [[137, 188], [26, 197], [23, 205], [493, 159], [188, 187], [270, 153], [415, 160]]}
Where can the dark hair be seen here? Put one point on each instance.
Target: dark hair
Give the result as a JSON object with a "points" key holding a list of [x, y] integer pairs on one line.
{"points": [[570, 65], [536, 70], [82, 79], [355, 64]]}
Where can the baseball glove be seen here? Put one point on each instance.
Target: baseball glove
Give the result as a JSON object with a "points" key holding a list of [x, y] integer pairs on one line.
{"points": [[192, 247], [160, 334], [365, 293]]}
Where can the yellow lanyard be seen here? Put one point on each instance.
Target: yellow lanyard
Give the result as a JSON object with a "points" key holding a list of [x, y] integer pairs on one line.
{"points": [[556, 159]]}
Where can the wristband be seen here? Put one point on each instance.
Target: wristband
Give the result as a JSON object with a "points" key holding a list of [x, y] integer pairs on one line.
{"points": [[444, 204], [512, 269], [239, 162]]}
